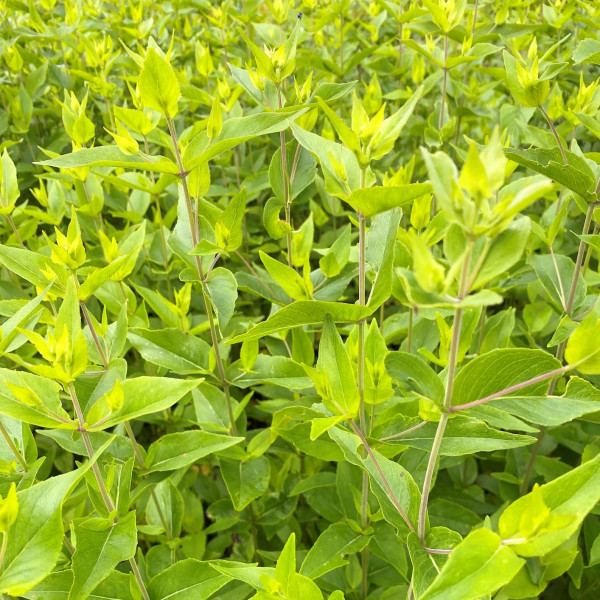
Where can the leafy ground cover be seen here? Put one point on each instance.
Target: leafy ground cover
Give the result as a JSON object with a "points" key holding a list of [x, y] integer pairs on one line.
{"points": [[299, 301]]}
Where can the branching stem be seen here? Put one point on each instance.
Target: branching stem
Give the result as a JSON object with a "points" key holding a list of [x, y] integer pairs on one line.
{"points": [[198, 260]]}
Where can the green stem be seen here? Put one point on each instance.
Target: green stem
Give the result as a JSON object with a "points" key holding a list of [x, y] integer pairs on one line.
{"points": [[386, 484], [588, 256], [15, 230], [108, 502], [14, 448], [463, 290], [555, 134], [444, 82], [560, 350], [364, 503], [207, 304], [286, 185], [141, 462], [4, 546], [95, 337], [163, 240], [410, 328], [474, 17]]}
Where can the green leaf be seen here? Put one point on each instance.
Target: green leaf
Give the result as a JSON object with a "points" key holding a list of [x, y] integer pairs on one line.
{"points": [[328, 552], [234, 132], [250, 574], [142, 396], [320, 425], [479, 565], [499, 369], [425, 566], [285, 568], [110, 156], [587, 51], [546, 267], [293, 285], [576, 176], [574, 494], [326, 151], [463, 436], [100, 276], [177, 450], [580, 398], [188, 579], [380, 248], [497, 258], [222, 290], [9, 185], [304, 312], [400, 480], [232, 220], [159, 86], [413, 373], [245, 480], [582, 349], [391, 127], [336, 257], [277, 370], [172, 349], [32, 399], [374, 200], [409, 292], [101, 546], [35, 268], [117, 586], [304, 175], [340, 394], [28, 313], [35, 539]]}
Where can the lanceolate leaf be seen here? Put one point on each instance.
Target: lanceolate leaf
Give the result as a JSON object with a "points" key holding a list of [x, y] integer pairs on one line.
{"points": [[111, 156], [36, 536], [177, 450], [304, 312], [577, 175], [374, 200], [142, 396], [497, 370], [101, 546], [188, 579], [479, 565]]}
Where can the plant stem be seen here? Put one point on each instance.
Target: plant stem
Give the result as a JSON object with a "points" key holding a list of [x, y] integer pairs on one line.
{"points": [[108, 502], [555, 133], [286, 185], [463, 290], [579, 260], [161, 228], [474, 17], [444, 82], [15, 230], [405, 432], [511, 389], [560, 350], [95, 337], [588, 256], [141, 462], [4, 545], [13, 447], [364, 501], [386, 484], [207, 305]]}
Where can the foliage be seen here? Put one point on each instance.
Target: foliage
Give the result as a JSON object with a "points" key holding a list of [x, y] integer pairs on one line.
{"points": [[299, 305]]}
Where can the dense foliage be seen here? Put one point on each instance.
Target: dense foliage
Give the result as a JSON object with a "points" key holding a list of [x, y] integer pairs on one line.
{"points": [[299, 305]]}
